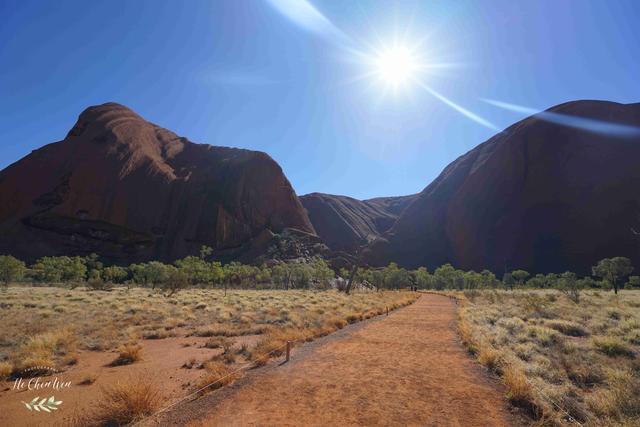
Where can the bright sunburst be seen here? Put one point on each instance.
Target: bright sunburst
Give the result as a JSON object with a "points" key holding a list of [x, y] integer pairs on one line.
{"points": [[396, 66]]}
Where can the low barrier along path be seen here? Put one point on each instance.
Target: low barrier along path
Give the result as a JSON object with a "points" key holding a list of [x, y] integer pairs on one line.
{"points": [[405, 369]]}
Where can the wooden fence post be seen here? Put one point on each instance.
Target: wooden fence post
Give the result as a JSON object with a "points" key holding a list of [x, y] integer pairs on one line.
{"points": [[387, 310], [288, 350]]}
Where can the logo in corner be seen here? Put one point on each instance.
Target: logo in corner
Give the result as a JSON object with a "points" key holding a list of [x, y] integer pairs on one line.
{"points": [[45, 405], [34, 381]]}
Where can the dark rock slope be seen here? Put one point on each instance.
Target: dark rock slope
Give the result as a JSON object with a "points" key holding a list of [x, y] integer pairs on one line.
{"points": [[538, 196], [345, 224], [130, 190]]}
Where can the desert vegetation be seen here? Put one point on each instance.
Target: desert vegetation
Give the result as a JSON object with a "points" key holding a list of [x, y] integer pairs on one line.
{"points": [[564, 346], [46, 326], [315, 273], [560, 358], [57, 311], [124, 403]]}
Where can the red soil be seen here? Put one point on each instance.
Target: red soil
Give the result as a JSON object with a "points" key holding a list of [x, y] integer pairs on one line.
{"points": [[162, 362], [406, 369]]}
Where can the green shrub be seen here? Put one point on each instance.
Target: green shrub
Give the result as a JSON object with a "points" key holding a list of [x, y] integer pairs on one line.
{"points": [[612, 346], [568, 328]]}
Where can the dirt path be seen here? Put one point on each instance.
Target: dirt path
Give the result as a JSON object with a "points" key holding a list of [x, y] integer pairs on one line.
{"points": [[405, 369]]}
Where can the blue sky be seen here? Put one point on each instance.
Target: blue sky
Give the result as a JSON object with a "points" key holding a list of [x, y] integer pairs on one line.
{"points": [[242, 73]]}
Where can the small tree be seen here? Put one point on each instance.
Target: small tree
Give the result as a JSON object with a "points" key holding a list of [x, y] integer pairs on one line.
{"points": [[175, 280], [10, 269], [519, 276], [508, 280], [280, 274], [94, 266], [395, 277], [633, 282], [613, 270], [570, 286], [322, 274], [205, 252], [489, 279], [423, 278], [196, 270], [114, 274], [232, 275], [301, 275], [444, 276], [60, 269], [216, 272], [377, 278]]}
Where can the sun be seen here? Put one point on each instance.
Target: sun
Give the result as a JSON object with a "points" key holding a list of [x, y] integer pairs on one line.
{"points": [[396, 66]]}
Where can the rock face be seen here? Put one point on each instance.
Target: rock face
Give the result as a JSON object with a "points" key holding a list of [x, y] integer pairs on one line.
{"points": [[538, 196], [129, 190], [345, 224]]}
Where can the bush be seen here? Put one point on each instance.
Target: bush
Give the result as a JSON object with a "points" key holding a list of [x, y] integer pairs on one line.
{"points": [[216, 342], [519, 391], [124, 403], [489, 356], [612, 346], [46, 350], [274, 342], [217, 375], [97, 284], [5, 370], [568, 328], [621, 399], [88, 379], [127, 354], [59, 269], [10, 269]]}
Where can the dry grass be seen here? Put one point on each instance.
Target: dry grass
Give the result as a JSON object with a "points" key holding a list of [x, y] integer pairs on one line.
{"points": [[5, 370], [54, 349], [274, 342], [621, 399], [127, 354], [489, 356], [555, 355], [47, 326], [88, 379], [123, 404], [218, 374], [612, 346]]}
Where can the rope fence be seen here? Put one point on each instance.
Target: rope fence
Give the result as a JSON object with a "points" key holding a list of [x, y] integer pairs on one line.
{"points": [[266, 356], [286, 348], [570, 417]]}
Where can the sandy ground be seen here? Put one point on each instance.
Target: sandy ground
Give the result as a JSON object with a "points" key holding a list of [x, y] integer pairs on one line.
{"points": [[162, 362], [404, 369]]}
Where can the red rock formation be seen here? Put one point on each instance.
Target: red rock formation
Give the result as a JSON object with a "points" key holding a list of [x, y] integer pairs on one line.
{"points": [[345, 224], [130, 190], [538, 196]]}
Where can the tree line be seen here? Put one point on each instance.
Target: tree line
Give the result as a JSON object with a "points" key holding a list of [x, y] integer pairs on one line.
{"points": [[610, 273]]}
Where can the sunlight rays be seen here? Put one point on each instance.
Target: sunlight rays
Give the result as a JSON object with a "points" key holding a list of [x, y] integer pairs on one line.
{"points": [[395, 63], [399, 62], [590, 125], [305, 15], [470, 115]]}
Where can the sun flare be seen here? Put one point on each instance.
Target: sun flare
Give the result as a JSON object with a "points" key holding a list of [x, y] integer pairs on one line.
{"points": [[396, 66]]}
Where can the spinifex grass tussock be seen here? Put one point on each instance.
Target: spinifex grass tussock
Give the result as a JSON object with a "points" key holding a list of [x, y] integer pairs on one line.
{"points": [[558, 358], [127, 354], [123, 404], [217, 374], [46, 326], [5, 370]]}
